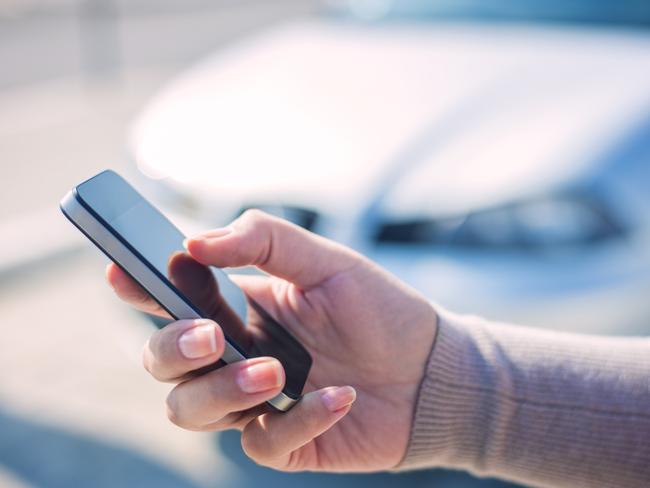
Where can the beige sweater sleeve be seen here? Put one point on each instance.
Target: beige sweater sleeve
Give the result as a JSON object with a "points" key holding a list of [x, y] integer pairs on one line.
{"points": [[537, 407]]}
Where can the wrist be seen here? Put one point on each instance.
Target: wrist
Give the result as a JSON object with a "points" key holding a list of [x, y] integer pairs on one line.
{"points": [[416, 358]]}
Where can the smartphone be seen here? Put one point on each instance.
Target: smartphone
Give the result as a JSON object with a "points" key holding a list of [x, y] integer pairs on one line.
{"points": [[146, 245]]}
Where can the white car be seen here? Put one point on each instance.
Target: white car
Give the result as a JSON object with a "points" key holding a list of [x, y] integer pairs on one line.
{"points": [[501, 169]]}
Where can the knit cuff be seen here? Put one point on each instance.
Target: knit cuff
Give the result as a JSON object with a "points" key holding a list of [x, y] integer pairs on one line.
{"points": [[450, 412]]}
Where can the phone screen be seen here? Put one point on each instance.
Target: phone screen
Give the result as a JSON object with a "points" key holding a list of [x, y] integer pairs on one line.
{"points": [[209, 290]]}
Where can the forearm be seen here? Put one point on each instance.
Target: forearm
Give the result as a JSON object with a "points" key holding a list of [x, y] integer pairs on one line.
{"points": [[538, 407]]}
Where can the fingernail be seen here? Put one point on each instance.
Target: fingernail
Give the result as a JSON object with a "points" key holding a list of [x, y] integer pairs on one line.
{"points": [[338, 397], [199, 341], [260, 377]]}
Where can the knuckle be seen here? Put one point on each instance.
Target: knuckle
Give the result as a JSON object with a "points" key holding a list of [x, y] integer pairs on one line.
{"points": [[157, 375], [256, 222], [160, 354], [257, 226], [132, 294], [149, 362], [152, 365], [307, 420], [218, 394], [213, 393], [254, 216], [260, 445], [152, 346], [295, 462], [146, 357], [137, 297], [254, 448], [175, 411]]}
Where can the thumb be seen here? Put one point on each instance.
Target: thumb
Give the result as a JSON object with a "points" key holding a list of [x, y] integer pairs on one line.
{"points": [[274, 245]]}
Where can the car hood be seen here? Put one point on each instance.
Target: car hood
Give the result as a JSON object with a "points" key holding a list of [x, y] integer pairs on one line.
{"points": [[430, 117]]}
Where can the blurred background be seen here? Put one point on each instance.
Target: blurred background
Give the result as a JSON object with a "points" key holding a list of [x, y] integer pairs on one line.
{"points": [[494, 154]]}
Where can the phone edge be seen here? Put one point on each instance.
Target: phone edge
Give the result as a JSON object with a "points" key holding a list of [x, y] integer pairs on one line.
{"points": [[117, 252]]}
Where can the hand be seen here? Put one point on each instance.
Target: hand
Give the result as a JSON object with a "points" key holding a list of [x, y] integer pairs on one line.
{"points": [[365, 330]]}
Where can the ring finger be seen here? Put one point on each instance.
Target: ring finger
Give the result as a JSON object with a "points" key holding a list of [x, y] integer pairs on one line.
{"points": [[207, 402]]}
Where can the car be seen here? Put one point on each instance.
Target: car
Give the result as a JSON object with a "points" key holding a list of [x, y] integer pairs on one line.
{"points": [[502, 169]]}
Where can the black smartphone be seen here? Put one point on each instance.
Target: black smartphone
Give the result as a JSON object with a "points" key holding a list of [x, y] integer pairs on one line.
{"points": [[147, 246]]}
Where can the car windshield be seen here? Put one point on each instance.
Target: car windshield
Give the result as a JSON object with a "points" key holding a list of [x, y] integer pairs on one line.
{"points": [[626, 12]]}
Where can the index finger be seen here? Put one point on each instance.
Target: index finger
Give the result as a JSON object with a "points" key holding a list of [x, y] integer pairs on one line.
{"points": [[274, 245], [131, 292]]}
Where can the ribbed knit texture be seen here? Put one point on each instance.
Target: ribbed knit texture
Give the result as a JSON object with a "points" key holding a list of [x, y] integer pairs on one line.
{"points": [[537, 407]]}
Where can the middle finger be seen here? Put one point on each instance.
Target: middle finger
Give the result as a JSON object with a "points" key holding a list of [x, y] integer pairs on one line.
{"points": [[202, 402], [182, 347]]}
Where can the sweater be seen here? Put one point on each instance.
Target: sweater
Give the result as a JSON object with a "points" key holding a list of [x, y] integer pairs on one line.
{"points": [[532, 406]]}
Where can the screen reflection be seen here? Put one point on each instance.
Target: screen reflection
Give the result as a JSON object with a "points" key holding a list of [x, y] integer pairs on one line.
{"points": [[209, 290]]}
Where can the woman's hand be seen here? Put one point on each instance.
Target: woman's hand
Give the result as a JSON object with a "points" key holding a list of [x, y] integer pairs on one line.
{"points": [[368, 334]]}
